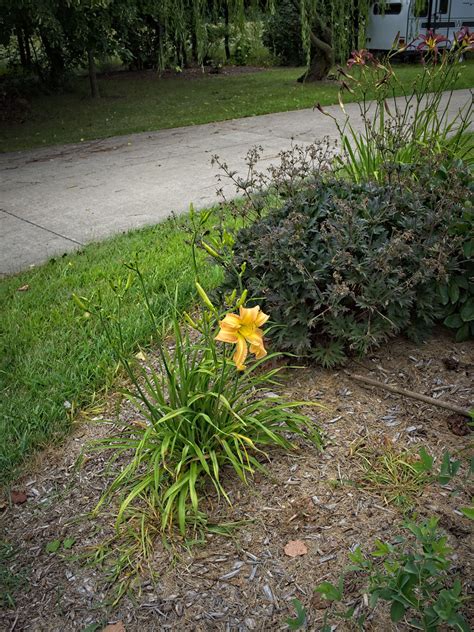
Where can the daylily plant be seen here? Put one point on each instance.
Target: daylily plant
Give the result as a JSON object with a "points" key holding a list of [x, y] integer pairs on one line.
{"points": [[430, 42], [243, 329], [360, 58], [465, 39]]}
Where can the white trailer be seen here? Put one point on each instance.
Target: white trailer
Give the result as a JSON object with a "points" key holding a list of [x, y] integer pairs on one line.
{"points": [[410, 18]]}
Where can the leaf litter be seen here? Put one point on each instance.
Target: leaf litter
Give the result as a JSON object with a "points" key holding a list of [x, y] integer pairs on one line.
{"points": [[248, 581]]}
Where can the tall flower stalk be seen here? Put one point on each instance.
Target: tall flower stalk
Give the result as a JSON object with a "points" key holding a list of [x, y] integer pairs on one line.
{"points": [[397, 130], [199, 413]]}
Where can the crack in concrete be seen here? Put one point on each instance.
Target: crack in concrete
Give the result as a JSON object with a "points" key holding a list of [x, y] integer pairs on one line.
{"points": [[48, 230]]}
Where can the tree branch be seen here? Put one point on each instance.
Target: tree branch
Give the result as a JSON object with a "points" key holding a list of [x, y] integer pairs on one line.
{"points": [[403, 391]]}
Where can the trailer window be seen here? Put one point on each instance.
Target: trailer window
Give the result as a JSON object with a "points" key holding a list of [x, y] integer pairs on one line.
{"points": [[392, 8], [420, 10], [443, 6]]}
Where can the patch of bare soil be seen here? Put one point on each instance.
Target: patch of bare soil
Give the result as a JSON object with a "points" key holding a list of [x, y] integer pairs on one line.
{"points": [[247, 582], [194, 72]]}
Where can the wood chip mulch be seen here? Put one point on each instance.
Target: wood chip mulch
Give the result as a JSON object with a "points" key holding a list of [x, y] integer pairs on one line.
{"points": [[247, 582]]}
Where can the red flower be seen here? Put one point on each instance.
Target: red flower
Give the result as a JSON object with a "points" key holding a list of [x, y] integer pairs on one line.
{"points": [[430, 42], [465, 39], [360, 58]]}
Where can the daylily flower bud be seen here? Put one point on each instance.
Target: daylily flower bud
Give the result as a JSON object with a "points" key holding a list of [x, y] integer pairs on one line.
{"points": [[341, 103], [204, 297], [347, 87], [190, 321], [242, 299], [210, 250], [80, 301]]}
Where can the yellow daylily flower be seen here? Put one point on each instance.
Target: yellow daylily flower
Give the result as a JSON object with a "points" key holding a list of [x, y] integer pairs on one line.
{"points": [[242, 329]]}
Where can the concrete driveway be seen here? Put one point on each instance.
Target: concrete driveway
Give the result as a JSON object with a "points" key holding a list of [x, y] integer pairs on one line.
{"points": [[58, 199]]}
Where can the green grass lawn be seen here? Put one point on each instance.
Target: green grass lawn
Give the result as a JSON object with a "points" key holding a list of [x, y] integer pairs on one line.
{"points": [[138, 103], [51, 355]]}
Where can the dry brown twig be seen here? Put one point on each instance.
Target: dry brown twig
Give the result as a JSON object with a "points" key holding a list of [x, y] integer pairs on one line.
{"points": [[403, 391]]}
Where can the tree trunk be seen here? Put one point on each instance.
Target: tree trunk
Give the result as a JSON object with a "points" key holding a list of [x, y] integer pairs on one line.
{"points": [[356, 27], [21, 47], [194, 38], [95, 94], [322, 53], [29, 60], [181, 53], [184, 54], [194, 47], [157, 42], [161, 38], [226, 32], [318, 69], [56, 61]]}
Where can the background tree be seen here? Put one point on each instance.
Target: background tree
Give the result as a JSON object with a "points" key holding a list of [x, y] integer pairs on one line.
{"points": [[52, 38], [330, 30], [282, 34]]}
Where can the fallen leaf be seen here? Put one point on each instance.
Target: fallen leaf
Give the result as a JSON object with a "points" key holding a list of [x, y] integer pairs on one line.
{"points": [[295, 548], [23, 288], [459, 425], [452, 364], [114, 627], [139, 424], [319, 603], [19, 497]]}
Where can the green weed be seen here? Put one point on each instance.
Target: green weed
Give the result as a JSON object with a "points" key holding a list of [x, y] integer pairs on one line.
{"points": [[413, 575], [10, 580], [398, 475]]}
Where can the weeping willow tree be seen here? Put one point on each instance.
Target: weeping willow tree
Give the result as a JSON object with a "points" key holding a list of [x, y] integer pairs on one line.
{"points": [[55, 37], [184, 21], [330, 30]]}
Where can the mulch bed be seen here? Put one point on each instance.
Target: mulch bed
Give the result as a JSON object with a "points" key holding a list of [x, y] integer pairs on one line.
{"points": [[246, 582]]}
